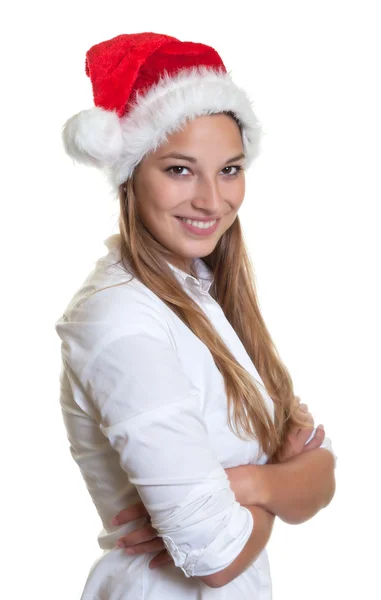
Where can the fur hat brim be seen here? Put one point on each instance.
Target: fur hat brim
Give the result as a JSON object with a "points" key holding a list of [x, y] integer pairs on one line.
{"points": [[100, 138]]}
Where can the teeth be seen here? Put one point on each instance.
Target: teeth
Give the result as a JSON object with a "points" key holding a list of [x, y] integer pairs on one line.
{"points": [[199, 224]]}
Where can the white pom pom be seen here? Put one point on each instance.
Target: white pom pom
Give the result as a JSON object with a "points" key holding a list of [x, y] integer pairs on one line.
{"points": [[93, 137]]}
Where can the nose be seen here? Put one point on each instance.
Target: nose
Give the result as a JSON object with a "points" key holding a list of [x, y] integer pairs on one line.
{"points": [[208, 196]]}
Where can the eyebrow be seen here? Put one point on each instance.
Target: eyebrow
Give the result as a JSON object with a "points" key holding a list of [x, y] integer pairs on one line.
{"points": [[194, 160]]}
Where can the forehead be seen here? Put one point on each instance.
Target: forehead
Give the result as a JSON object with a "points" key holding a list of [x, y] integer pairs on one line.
{"points": [[217, 136], [220, 125]]}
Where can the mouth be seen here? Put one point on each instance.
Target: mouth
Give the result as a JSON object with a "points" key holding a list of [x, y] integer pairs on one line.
{"points": [[199, 227]]}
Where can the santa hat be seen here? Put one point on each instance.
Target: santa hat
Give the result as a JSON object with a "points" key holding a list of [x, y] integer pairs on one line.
{"points": [[145, 87]]}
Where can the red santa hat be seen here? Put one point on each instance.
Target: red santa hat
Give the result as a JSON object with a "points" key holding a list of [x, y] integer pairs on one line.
{"points": [[145, 87]]}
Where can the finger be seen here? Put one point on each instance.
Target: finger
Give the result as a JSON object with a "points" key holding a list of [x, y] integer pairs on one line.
{"points": [[135, 511], [317, 440], [152, 546], [293, 433], [138, 536], [306, 417], [163, 558], [304, 433], [309, 419]]}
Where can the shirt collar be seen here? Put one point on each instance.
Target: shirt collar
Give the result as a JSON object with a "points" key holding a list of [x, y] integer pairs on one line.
{"points": [[204, 276], [204, 273]]}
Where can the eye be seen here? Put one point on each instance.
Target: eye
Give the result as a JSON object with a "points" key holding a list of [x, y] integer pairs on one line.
{"points": [[172, 170], [176, 167], [237, 167]]}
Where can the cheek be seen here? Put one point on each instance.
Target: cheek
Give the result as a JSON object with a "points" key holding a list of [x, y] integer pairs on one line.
{"points": [[151, 206], [163, 197], [237, 195], [241, 188]]}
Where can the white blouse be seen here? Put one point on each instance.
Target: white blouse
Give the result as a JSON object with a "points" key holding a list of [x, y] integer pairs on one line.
{"points": [[145, 411]]}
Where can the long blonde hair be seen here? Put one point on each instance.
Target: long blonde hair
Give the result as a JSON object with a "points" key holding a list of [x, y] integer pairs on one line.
{"points": [[235, 291]]}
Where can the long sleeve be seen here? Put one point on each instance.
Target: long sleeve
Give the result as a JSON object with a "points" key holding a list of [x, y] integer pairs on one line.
{"points": [[126, 362]]}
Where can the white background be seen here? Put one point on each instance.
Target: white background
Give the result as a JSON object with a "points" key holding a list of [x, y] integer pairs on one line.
{"points": [[311, 224]]}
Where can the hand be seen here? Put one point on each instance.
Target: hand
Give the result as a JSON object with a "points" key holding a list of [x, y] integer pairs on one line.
{"points": [[144, 539], [241, 482], [295, 442]]}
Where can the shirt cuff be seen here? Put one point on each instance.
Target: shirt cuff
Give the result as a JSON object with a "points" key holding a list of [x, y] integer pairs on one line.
{"points": [[221, 552]]}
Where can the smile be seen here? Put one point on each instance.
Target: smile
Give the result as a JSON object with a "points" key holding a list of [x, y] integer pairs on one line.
{"points": [[200, 224], [199, 227]]}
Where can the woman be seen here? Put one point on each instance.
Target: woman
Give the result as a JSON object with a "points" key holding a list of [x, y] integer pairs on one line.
{"points": [[169, 373]]}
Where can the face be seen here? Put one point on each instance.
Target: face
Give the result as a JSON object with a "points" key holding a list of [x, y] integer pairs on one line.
{"points": [[206, 185]]}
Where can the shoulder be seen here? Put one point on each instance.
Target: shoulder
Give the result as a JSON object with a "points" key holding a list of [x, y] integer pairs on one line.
{"points": [[105, 308]]}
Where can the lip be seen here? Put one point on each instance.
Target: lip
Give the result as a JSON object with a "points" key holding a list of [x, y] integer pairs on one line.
{"points": [[200, 232], [203, 219]]}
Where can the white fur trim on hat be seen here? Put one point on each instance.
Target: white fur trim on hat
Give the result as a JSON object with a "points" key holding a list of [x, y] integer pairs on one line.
{"points": [[100, 138]]}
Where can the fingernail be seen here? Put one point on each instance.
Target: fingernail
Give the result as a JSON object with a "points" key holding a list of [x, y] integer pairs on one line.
{"points": [[120, 544], [114, 521], [130, 551]]}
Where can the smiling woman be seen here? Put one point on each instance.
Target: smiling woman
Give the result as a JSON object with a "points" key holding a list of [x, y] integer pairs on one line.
{"points": [[169, 373]]}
